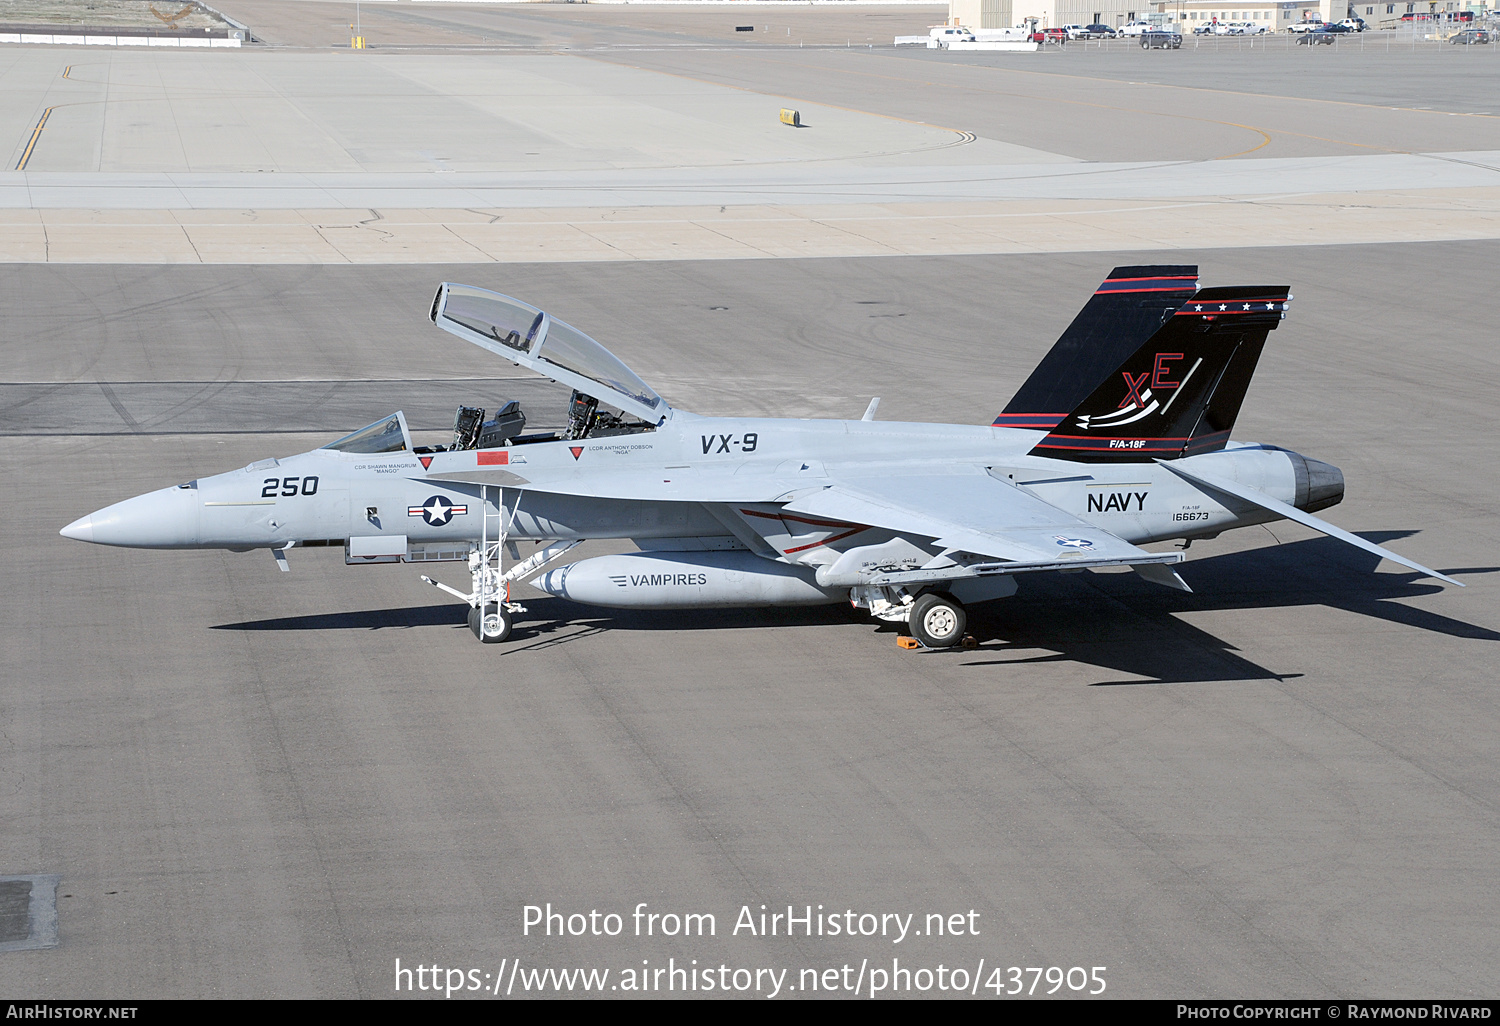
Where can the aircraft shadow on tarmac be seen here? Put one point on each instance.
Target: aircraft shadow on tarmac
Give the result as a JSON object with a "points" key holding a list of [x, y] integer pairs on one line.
{"points": [[1116, 622]]}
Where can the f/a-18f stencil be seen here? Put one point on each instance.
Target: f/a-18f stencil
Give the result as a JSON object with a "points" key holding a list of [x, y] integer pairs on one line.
{"points": [[1118, 439]]}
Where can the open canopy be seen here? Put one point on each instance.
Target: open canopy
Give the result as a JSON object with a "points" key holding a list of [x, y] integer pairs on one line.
{"points": [[532, 339]]}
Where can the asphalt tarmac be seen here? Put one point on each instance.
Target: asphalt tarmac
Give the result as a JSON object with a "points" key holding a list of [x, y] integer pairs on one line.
{"points": [[250, 783], [263, 784]]}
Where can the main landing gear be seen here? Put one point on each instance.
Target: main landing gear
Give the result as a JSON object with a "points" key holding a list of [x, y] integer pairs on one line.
{"points": [[937, 620]]}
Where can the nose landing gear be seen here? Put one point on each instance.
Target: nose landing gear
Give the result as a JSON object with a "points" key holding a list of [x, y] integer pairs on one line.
{"points": [[490, 608], [490, 623]]}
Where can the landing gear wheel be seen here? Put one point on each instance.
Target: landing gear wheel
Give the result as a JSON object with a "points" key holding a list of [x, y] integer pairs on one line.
{"points": [[490, 626], [937, 620]]}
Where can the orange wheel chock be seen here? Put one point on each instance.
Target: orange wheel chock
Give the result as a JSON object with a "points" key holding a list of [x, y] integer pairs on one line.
{"points": [[905, 642]]}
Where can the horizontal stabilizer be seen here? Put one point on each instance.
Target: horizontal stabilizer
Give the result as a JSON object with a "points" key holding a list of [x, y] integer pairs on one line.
{"points": [[1290, 512]]}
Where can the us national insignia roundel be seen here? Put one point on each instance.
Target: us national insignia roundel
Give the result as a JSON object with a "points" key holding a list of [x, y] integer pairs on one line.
{"points": [[436, 511]]}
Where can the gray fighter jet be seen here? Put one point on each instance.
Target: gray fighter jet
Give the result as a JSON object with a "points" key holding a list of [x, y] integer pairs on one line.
{"points": [[1119, 438]]}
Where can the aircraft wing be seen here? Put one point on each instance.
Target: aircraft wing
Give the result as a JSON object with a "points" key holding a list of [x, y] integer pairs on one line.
{"points": [[970, 511]]}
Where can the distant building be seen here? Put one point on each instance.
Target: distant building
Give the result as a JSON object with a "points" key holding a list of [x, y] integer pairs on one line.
{"points": [[1187, 14], [1048, 13]]}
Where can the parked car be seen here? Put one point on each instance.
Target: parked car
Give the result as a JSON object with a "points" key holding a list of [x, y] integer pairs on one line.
{"points": [[1135, 28], [1337, 28], [1468, 37], [1205, 29], [1318, 38], [1306, 26], [1158, 40], [1354, 24], [1074, 31], [1245, 28], [1097, 31], [1055, 35]]}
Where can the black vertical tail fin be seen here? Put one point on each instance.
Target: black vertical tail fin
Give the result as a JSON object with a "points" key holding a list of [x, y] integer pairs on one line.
{"points": [[1179, 393], [1126, 310]]}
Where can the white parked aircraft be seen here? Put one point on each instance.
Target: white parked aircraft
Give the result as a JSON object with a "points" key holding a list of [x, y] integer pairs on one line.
{"points": [[1120, 438]]}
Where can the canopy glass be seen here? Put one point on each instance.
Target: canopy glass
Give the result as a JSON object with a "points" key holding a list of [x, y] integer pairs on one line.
{"points": [[386, 435], [530, 333]]}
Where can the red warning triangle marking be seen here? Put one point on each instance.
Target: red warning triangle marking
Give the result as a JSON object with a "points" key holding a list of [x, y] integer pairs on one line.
{"points": [[426, 462], [576, 450]]}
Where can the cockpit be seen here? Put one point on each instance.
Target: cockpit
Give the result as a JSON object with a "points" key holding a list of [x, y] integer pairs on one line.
{"points": [[607, 399]]}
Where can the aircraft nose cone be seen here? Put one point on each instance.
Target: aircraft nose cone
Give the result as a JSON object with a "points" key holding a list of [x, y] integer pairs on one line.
{"points": [[81, 529], [163, 519]]}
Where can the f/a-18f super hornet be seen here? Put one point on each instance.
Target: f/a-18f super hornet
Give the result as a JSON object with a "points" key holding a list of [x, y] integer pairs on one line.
{"points": [[1119, 438]]}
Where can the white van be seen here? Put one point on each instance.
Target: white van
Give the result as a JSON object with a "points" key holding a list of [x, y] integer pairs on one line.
{"points": [[945, 34]]}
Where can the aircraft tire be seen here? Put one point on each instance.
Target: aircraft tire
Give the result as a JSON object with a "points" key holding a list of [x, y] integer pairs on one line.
{"points": [[500, 623], [937, 620]]}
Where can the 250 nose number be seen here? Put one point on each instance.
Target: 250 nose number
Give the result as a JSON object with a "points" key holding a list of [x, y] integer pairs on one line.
{"points": [[288, 486]]}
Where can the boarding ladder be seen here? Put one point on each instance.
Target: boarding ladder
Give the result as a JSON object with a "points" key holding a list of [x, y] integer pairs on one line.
{"points": [[490, 585]]}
